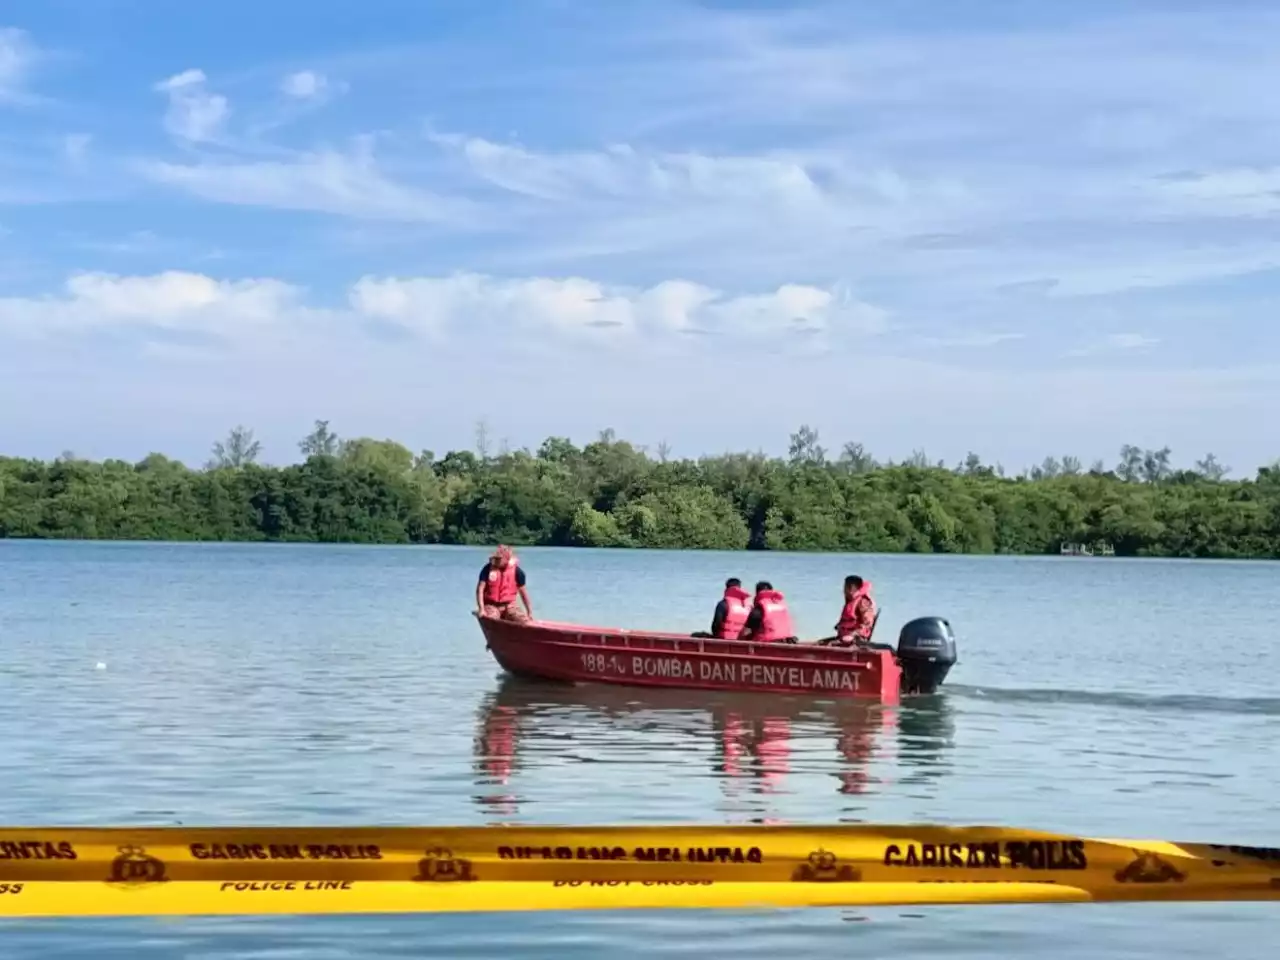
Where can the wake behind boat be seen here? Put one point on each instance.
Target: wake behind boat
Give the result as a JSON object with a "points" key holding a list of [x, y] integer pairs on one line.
{"points": [[577, 653]]}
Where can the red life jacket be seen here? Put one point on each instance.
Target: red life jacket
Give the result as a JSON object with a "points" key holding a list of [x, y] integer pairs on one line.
{"points": [[848, 625], [737, 602], [501, 586], [775, 624]]}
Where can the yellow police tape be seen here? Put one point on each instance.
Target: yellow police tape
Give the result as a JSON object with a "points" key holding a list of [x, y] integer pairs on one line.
{"points": [[123, 871]]}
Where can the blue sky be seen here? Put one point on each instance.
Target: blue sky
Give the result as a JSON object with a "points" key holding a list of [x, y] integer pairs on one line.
{"points": [[1020, 229]]}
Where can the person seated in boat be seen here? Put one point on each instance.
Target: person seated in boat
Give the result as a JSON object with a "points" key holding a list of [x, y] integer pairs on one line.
{"points": [[730, 613], [769, 620], [502, 581], [858, 615]]}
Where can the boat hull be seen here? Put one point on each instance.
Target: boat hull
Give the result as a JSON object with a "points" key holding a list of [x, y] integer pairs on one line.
{"points": [[574, 653]]}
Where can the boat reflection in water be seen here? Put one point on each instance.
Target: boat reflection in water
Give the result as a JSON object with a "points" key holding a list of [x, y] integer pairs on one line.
{"points": [[757, 741]]}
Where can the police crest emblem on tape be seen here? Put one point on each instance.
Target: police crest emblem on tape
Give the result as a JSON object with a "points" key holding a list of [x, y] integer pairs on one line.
{"points": [[134, 867], [1149, 868], [439, 865], [823, 867]]}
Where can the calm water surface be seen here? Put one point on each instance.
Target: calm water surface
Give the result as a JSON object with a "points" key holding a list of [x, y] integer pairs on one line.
{"points": [[331, 685]]}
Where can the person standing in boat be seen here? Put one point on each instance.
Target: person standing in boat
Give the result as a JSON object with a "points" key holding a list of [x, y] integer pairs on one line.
{"points": [[858, 615], [769, 620], [731, 612], [502, 580]]}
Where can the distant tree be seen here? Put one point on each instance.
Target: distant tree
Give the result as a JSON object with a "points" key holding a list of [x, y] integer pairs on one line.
{"points": [[855, 458], [805, 449], [558, 450], [384, 455], [1211, 469], [1155, 465], [239, 449], [320, 442], [1130, 467], [482, 438], [1049, 469]]}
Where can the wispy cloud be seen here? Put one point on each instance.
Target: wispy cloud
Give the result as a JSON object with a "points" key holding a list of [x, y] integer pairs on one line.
{"points": [[970, 340], [76, 147], [305, 85], [15, 57], [1115, 343], [1130, 341], [18, 54], [194, 112], [332, 182]]}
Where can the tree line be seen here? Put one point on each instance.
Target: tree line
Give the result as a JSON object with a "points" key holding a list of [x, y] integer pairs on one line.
{"points": [[611, 493]]}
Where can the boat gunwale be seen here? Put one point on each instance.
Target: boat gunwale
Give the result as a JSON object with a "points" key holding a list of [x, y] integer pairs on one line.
{"points": [[570, 637]]}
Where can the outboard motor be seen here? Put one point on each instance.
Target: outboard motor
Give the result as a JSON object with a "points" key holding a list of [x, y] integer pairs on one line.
{"points": [[926, 652]]}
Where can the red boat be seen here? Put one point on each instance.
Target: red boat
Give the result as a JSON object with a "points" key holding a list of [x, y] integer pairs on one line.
{"points": [[574, 653]]}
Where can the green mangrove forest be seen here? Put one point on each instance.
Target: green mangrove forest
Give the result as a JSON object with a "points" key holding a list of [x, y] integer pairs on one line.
{"points": [[611, 493]]}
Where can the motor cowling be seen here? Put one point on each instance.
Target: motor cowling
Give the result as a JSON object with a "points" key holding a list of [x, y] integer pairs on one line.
{"points": [[926, 652]]}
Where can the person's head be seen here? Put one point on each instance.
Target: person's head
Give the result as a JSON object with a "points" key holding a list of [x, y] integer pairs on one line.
{"points": [[501, 555], [732, 582], [852, 585], [763, 585]]}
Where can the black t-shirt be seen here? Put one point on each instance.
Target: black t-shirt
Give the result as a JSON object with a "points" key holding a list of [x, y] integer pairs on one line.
{"points": [[484, 574], [754, 617]]}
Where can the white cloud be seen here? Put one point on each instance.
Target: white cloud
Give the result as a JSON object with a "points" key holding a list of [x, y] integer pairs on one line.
{"points": [[194, 113], [464, 305], [17, 54], [305, 85], [575, 306], [174, 302]]}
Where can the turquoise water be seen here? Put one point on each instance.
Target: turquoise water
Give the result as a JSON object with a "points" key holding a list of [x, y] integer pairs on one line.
{"points": [[330, 685]]}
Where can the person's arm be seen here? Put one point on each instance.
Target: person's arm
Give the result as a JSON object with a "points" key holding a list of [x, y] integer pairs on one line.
{"points": [[753, 623], [863, 616], [484, 578], [524, 593]]}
